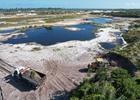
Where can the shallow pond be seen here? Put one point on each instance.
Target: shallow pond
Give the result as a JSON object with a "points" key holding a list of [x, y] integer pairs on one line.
{"points": [[57, 34], [101, 20], [108, 46]]}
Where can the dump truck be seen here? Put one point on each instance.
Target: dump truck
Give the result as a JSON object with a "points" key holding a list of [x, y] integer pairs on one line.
{"points": [[29, 75]]}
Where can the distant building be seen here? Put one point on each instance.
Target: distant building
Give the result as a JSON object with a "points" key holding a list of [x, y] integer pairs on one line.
{"points": [[26, 14], [103, 11]]}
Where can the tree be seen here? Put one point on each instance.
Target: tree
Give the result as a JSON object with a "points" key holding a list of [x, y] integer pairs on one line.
{"points": [[74, 98], [101, 74], [118, 75], [130, 89], [94, 97], [85, 88], [125, 85], [108, 91]]}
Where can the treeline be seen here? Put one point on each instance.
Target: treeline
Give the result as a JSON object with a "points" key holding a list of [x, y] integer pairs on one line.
{"points": [[28, 9], [37, 10], [126, 13]]}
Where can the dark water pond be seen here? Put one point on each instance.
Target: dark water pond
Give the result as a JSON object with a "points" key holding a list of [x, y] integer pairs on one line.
{"points": [[59, 34], [55, 35], [101, 20], [119, 39], [108, 46]]}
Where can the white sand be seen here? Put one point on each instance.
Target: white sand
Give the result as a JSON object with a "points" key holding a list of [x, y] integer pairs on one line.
{"points": [[74, 28], [61, 23], [6, 36], [72, 49], [61, 63], [71, 22]]}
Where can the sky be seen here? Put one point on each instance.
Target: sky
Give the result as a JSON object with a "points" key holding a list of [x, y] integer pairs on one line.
{"points": [[70, 3]]}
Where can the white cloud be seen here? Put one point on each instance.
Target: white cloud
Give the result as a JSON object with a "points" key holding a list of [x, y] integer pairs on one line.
{"points": [[131, 4]]}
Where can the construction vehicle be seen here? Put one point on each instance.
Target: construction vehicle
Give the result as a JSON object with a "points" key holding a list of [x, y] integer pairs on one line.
{"points": [[29, 75], [99, 62]]}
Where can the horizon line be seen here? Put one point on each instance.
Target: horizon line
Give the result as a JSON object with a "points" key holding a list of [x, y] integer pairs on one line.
{"points": [[63, 8]]}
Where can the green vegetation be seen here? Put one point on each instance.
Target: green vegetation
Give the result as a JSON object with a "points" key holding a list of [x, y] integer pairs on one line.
{"points": [[17, 19], [115, 83], [133, 35], [48, 19], [126, 13], [61, 18], [39, 11], [132, 51], [36, 49], [48, 27], [97, 26]]}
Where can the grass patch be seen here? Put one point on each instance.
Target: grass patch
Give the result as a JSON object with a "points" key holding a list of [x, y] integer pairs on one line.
{"points": [[36, 49]]}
